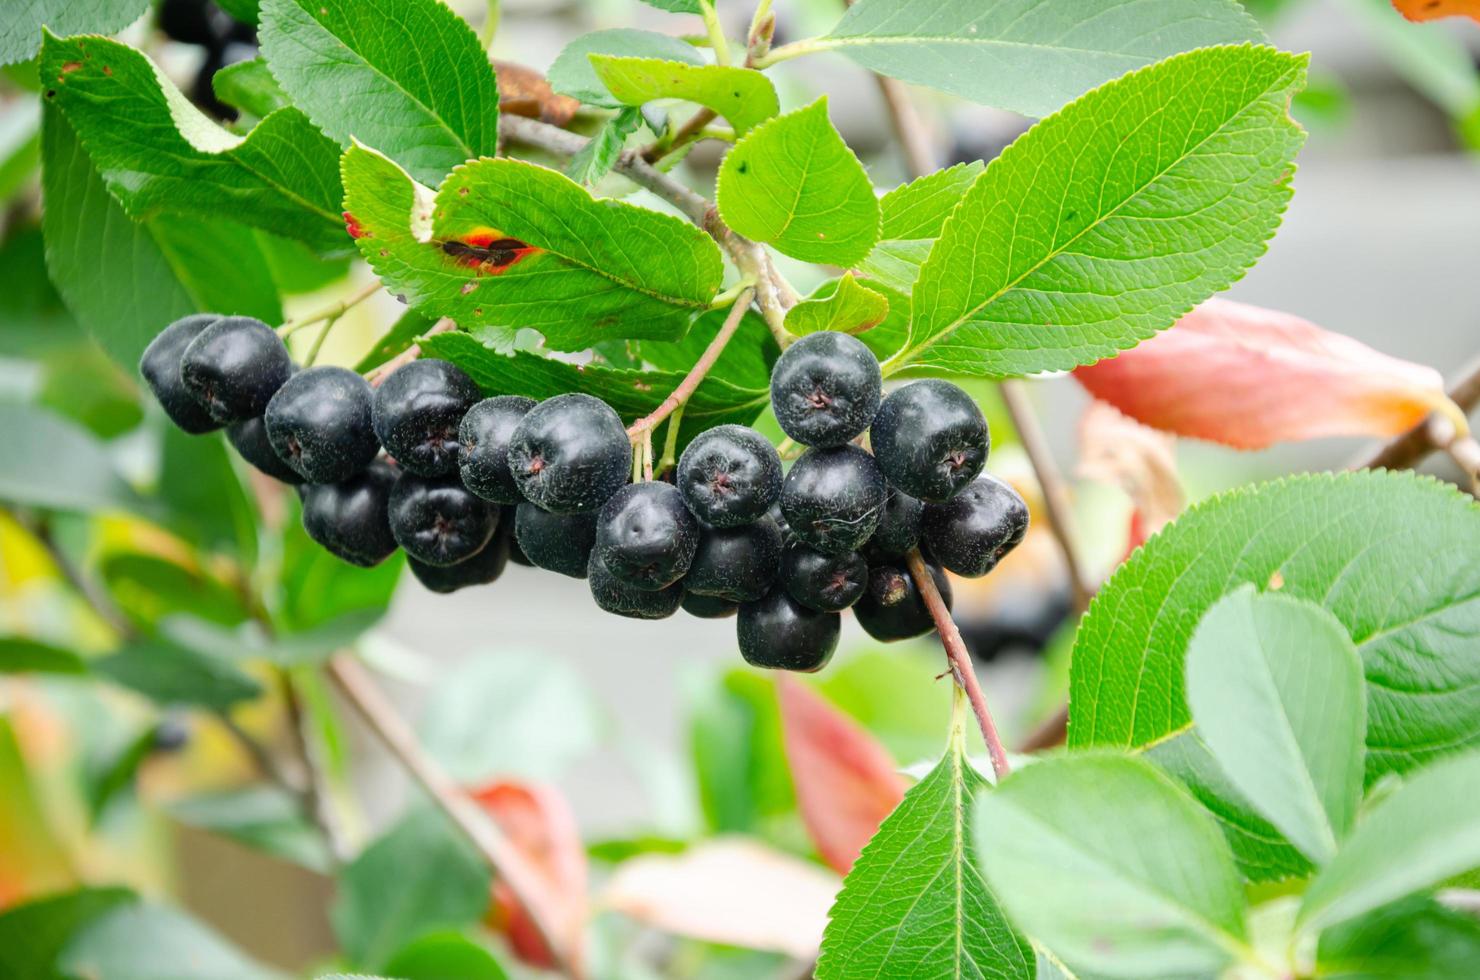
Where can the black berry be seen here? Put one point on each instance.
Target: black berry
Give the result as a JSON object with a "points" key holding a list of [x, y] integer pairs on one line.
{"points": [[234, 366], [484, 435], [249, 437], [826, 583], [832, 498], [970, 533], [418, 409], [729, 475], [319, 424], [570, 453], [437, 521], [780, 633], [645, 536], [899, 527], [557, 542], [825, 389], [736, 563], [616, 596], [891, 608], [350, 519], [160, 367], [481, 569], [930, 439], [708, 606]]}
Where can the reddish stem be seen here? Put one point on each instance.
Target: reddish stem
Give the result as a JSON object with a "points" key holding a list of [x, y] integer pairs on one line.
{"points": [[701, 367]]}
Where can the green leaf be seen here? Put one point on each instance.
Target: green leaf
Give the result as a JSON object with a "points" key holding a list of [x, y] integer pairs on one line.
{"points": [[1113, 867], [420, 878], [582, 269], [792, 182], [407, 77], [1107, 221], [915, 903], [675, 6], [600, 153], [148, 588], [734, 733], [1030, 56], [1426, 831], [111, 775], [159, 154], [250, 87], [1391, 555], [83, 384], [1275, 688], [20, 145], [144, 941], [920, 208], [1418, 939], [205, 499], [402, 334], [55, 464], [245, 11], [743, 96], [33, 934], [20, 29], [262, 817], [317, 590], [572, 73], [443, 955], [169, 674], [844, 306], [22, 655], [745, 362]]}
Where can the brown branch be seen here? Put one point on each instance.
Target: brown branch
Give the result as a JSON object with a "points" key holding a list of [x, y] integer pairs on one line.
{"points": [[645, 425], [315, 791], [506, 861], [960, 661], [914, 142], [1433, 434], [409, 354], [1052, 731]]}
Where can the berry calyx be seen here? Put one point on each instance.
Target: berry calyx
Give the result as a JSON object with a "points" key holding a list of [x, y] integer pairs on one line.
{"points": [[832, 498], [826, 583], [484, 434], [249, 438], [735, 563], [645, 535], [569, 454], [234, 366], [779, 633], [970, 533], [437, 521], [350, 519], [319, 424], [891, 608], [555, 542], [729, 475], [930, 439], [160, 367], [615, 596], [825, 389], [418, 410]]}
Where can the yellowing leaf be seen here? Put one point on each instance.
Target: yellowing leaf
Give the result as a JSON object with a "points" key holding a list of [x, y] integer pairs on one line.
{"points": [[1421, 10], [742, 95]]}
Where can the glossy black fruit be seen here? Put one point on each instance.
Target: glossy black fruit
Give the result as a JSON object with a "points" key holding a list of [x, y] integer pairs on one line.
{"points": [[193, 22], [645, 536], [930, 439], [708, 606], [616, 596], [570, 453], [319, 424], [418, 409], [970, 533], [729, 475], [899, 527], [234, 366], [160, 367], [484, 435], [350, 519], [557, 542], [775, 514], [437, 521], [832, 498], [825, 389], [891, 608], [481, 569], [249, 437], [826, 583], [736, 563], [780, 633]]}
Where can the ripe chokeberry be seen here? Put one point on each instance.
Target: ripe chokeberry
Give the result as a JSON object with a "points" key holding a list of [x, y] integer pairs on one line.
{"points": [[645, 536], [729, 475], [418, 409], [899, 527], [484, 435], [708, 606], [249, 438], [826, 583], [437, 521], [891, 608], [825, 389], [780, 633], [970, 533], [160, 367], [234, 366], [350, 519], [319, 424], [616, 596], [735, 563], [569, 454], [555, 542], [832, 498], [481, 569], [930, 439]]}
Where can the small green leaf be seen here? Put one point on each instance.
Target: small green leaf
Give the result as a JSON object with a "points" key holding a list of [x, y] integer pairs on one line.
{"points": [[742, 95], [20, 29], [170, 674], [148, 588], [915, 903], [1426, 831], [442, 955], [111, 775], [250, 87], [263, 817], [407, 77], [319, 592], [1113, 867], [675, 6], [572, 73], [920, 208], [55, 464], [792, 182], [1417, 939], [844, 306], [85, 385], [734, 733], [600, 153], [23, 655], [144, 941], [576, 268], [33, 934]]}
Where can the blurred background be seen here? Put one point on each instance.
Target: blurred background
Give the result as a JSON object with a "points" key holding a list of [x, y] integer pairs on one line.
{"points": [[650, 736]]}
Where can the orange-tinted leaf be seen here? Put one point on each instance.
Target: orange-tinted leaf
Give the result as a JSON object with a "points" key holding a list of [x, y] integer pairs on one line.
{"points": [[1119, 450], [1249, 377], [846, 784], [524, 92], [539, 822], [1421, 10]]}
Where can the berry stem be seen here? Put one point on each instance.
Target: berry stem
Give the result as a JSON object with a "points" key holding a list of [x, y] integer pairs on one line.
{"points": [[318, 342], [960, 661], [644, 426], [670, 441], [331, 312], [408, 355]]}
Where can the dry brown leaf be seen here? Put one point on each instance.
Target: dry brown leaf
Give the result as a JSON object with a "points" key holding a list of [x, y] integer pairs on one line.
{"points": [[524, 92]]}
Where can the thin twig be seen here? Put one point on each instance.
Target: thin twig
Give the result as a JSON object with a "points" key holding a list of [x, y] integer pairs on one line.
{"points": [[408, 355], [1433, 434], [680, 395], [685, 134], [960, 661], [1050, 732], [919, 158], [315, 792], [333, 311], [506, 861]]}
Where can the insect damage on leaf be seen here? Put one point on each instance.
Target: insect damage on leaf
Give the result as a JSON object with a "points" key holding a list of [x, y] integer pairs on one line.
{"points": [[488, 251]]}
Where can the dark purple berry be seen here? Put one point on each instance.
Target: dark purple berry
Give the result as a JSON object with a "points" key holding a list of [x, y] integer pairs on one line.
{"points": [[418, 409], [930, 439], [615, 596], [826, 583], [160, 367], [891, 608], [350, 519], [970, 533], [736, 563], [249, 437], [484, 434], [708, 606], [556, 542], [645, 536], [825, 389], [832, 498], [569, 454], [899, 528], [437, 521], [319, 424], [481, 569], [779, 633], [234, 366], [729, 475]]}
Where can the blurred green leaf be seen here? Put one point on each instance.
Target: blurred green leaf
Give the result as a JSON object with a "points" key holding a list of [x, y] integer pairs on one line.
{"points": [[675, 6], [204, 497], [167, 673], [893, 693], [245, 11], [148, 588], [296, 268], [144, 941], [444, 955], [54, 464], [739, 759], [1417, 939], [21, 655], [20, 30], [114, 773], [401, 335], [250, 87], [572, 73], [34, 321], [745, 97], [81, 383], [1430, 57], [262, 817], [20, 145], [843, 305], [33, 934], [600, 153]]}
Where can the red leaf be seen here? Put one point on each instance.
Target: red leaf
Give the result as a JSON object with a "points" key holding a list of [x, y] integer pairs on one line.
{"points": [[846, 784], [539, 822], [1116, 449], [1420, 10], [1250, 377]]}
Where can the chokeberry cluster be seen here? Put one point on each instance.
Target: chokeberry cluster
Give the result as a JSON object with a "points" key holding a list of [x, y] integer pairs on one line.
{"points": [[464, 483]]}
